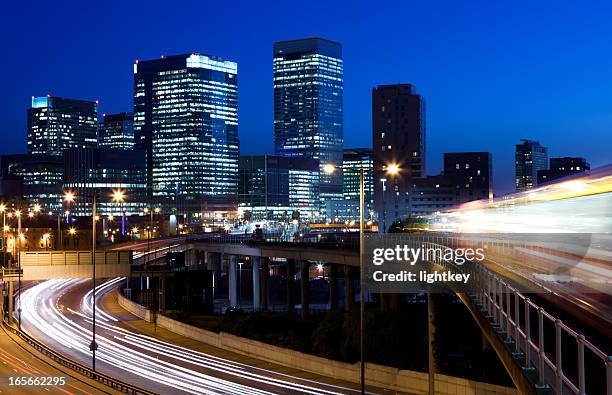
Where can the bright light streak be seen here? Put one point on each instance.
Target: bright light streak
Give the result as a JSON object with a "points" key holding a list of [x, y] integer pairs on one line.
{"points": [[139, 355]]}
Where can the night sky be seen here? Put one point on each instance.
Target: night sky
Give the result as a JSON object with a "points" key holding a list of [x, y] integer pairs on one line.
{"points": [[491, 73]]}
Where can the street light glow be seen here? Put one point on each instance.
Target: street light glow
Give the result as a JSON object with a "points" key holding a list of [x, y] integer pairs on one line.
{"points": [[2, 208], [69, 196], [37, 208], [328, 168], [392, 169], [118, 195], [72, 231]]}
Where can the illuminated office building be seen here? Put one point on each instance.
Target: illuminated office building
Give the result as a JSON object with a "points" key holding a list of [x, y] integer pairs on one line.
{"points": [[100, 171], [186, 119], [117, 131], [353, 160], [55, 124], [308, 109], [347, 208], [530, 157], [40, 177], [271, 187], [398, 138]]}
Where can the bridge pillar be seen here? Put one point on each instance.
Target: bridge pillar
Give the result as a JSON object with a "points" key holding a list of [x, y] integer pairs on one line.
{"points": [[256, 283], [349, 289], [265, 274], [304, 289], [161, 305], [333, 286], [290, 286], [233, 288], [214, 261]]}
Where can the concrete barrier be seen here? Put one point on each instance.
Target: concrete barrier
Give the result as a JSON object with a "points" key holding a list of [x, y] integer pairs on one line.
{"points": [[134, 308], [376, 375]]}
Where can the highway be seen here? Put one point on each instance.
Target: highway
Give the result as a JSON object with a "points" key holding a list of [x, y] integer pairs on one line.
{"points": [[58, 312], [17, 359]]}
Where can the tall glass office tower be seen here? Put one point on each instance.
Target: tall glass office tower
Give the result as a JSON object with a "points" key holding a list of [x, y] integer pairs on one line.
{"points": [[530, 157], [186, 118], [308, 90], [117, 131], [56, 124]]}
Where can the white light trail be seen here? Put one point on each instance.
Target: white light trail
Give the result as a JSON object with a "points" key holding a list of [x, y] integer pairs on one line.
{"points": [[178, 367]]}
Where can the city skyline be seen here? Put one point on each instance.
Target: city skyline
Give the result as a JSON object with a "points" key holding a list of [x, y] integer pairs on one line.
{"points": [[467, 110]]}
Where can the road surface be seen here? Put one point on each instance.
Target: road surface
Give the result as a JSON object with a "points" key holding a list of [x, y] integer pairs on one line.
{"points": [[58, 313]]}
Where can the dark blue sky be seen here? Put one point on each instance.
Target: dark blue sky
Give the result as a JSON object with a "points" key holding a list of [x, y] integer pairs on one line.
{"points": [[491, 73]]}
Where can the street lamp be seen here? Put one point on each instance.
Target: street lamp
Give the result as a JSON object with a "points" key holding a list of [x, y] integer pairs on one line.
{"points": [[329, 168], [392, 169], [3, 211], [118, 196]]}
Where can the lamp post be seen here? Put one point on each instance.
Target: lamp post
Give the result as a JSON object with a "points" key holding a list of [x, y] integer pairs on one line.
{"points": [[93, 346], [19, 237], [3, 211], [392, 170], [69, 197]]}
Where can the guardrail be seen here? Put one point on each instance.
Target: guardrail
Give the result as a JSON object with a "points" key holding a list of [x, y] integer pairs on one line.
{"points": [[76, 366], [515, 317]]}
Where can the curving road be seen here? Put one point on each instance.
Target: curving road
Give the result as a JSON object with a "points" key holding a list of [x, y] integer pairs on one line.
{"points": [[58, 312]]}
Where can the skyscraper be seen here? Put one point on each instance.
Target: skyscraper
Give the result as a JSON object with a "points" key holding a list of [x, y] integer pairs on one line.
{"points": [[308, 109], [398, 138], [55, 124], [186, 118], [353, 160], [530, 157], [99, 171], [117, 131], [271, 186], [40, 176]]}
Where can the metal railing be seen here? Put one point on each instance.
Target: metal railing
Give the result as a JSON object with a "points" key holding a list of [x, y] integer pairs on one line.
{"points": [[102, 378], [10, 273], [344, 240], [512, 314]]}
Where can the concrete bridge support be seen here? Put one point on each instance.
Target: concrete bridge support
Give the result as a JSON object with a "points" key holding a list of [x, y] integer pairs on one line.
{"points": [[265, 274], [233, 285], [290, 274], [161, 304], [304, 288], [349, 289], [257, 296], [213, 263], [333, 286]]}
